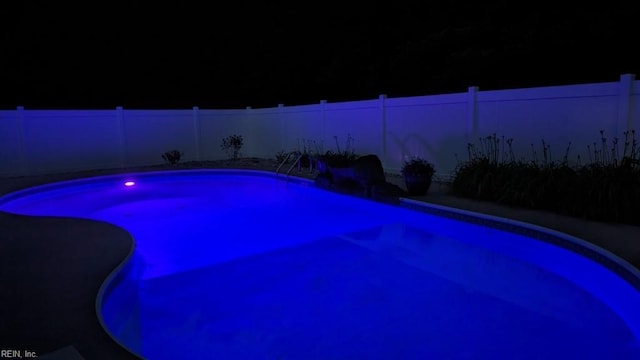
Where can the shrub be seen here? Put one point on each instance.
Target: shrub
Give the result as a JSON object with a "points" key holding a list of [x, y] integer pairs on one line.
{"points": [[281, 156], [340, 158], [172, 157], [232, 145], [608, 188]]}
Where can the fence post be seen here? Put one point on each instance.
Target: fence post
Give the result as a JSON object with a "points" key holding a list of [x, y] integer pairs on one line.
{"points": [[24, 158], [244, 125], [283, 135], [196, 131], [625, 117], [472, 113], [122, 137], [383, 129], [323, 116]]}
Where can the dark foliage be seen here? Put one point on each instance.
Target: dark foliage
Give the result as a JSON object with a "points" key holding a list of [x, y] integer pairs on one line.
{"points": [[232, 145], [172, 157], [606, 189]]}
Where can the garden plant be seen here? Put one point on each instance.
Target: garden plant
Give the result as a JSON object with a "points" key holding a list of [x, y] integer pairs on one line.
{"points": [[172, 157], [232, 145], [606, 189], [341, 157]]}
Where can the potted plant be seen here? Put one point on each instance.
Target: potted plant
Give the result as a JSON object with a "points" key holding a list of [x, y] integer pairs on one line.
{"points": [[417, 174]]}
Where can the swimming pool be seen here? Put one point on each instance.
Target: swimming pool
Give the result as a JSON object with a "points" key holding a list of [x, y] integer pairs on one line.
{"points": [[242, 265]]}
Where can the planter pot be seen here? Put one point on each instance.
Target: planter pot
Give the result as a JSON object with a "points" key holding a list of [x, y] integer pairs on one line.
{"points": [[417, 185]]}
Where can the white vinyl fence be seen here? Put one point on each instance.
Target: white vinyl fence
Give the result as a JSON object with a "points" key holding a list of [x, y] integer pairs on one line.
{"points": [[436, 127]]}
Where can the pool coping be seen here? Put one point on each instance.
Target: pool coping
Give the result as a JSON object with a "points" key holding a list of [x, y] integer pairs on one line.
{"points": [[565, 241]]}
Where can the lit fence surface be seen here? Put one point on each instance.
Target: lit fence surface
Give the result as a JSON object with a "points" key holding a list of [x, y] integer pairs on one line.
{"points": [[435, 127]]}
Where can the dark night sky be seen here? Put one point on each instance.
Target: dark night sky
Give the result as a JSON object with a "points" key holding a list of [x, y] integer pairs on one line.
{"points": [[101, 54]]}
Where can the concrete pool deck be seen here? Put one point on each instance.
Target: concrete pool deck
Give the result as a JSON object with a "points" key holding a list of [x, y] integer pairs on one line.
{"points": [[52, 267]]}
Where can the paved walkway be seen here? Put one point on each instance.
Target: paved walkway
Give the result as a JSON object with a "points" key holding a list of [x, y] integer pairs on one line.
{"points": [[52, 268]]}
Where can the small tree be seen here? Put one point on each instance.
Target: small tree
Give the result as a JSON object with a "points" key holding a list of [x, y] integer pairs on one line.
{"points": [[172, 157], [232, 145]]}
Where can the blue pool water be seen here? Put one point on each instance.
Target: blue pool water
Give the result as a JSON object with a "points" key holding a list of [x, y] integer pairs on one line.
{"points": [[241, 265]]}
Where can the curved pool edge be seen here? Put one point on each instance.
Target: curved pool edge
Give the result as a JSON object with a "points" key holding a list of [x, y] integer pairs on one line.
{"points": [[616, 264], [554, 237], [565, 241], [95, 179], [113, 280], [121, 272], [538, 232], [53, 258]]}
